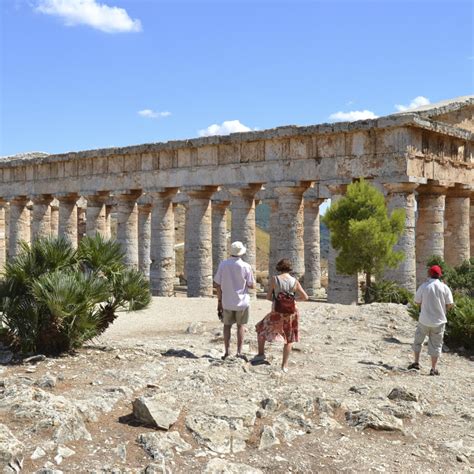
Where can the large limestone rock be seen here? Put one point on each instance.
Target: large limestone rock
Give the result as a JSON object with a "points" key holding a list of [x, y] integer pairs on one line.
{"points": [[375, 419], [160, 411], [163, 445], [10, 448]]}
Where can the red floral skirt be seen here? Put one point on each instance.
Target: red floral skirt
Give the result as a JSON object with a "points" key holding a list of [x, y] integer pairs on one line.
{"points": [[279, 327]]}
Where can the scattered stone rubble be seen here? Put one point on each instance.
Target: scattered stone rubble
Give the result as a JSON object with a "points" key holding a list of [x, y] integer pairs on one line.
{"points": [[172, 405]]}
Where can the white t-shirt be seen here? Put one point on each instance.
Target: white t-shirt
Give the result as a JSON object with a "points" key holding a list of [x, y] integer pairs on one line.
{"points": [[433, 295], [234, 277]]}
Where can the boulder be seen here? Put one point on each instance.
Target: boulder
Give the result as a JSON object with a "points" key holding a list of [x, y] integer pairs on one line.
{"points": [[159, 411], [163, 445], [375, 419], [401, 393], [268, 438]]}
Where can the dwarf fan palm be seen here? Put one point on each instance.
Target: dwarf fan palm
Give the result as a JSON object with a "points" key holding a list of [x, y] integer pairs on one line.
{"points": [[54, 298]]}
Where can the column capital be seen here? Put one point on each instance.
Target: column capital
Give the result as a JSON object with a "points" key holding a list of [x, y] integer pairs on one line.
{"points": [[128, 194], [161, 193], [400, 188], [18, 199], [41, 198], [283, 188], [200, 192], [220, 203], [432, 189], [144, 207], [313, 202], [460, 190], [337, 189], [245, 190], [67, 197]]}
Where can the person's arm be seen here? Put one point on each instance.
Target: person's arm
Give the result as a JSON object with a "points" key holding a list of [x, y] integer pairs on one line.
{"points": [[219, 296], [301, 294], [250, 281], [449, 306], [271, 287], [450, 301]]}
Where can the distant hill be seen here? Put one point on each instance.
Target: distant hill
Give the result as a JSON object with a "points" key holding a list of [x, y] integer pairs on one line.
{"points": [[262, 218]]}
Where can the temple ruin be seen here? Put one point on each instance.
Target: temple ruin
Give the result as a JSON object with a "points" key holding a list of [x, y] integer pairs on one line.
{"points": [[422, 160]]}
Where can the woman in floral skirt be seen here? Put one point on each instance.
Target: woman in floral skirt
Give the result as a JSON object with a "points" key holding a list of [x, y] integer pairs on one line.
{"points": [[276, 326]]}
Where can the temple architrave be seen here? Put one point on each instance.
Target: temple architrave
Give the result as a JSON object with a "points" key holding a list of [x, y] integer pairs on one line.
{"points": [[422, 160]]}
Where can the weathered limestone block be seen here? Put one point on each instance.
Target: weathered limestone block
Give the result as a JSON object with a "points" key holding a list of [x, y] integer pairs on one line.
{"points": [[198, 244], [19, 224], [342, 289], [162, 269], [312, 254], [471, 225], [456, 233], [219, 233], [41, 222], [127, 226], [68, 217], [402, 196], [429, 227], [96, 222], [290, 212], [144, 238]]}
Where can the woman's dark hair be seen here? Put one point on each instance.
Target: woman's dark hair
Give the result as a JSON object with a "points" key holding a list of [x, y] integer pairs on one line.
{"points": [[284, 266]]}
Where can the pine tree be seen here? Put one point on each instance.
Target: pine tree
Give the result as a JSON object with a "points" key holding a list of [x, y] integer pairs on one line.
{"points": [[363, 232]]}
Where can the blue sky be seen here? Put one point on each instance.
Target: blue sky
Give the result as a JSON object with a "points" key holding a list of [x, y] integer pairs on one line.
{"points": [[82, 74]]}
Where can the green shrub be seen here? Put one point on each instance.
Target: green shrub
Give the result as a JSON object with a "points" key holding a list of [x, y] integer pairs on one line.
{"points": [[386, 291], [53, 298], [460, 279], [460, 327]]}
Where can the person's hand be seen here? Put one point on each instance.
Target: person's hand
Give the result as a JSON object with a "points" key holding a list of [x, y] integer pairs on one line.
{"points": [[220, 311]]}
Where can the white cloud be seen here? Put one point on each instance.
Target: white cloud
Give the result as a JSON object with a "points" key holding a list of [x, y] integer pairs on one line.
{"points": [[88, 12], [229, 126], [352, 116], [148, 113], [416, 102]]}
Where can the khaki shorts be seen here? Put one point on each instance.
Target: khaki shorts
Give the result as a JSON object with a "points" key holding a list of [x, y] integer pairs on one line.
{"points": [[435, 339], [239, 317]]}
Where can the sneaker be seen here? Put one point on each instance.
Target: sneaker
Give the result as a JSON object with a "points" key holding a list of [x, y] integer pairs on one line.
{"points": [[414, 365], [224, 357], [284, 369], [434, 372], [259, 357]]}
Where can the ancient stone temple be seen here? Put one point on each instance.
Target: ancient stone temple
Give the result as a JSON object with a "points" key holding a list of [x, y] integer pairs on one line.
{"points": [[422, 160]]}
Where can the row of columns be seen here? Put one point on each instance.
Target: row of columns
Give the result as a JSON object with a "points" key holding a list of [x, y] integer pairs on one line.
{"points": [[146, 231]]}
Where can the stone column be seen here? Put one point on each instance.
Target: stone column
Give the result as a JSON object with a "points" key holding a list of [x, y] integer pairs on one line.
{"points": [[198, 248], [456, 234], [108, 221], [343, 289], [19, 225], [429, 227], [127, 225], [290, 238], [144, 234], [81, 223], [471, 225], [273, 229], [55, 218], [3, 249], [96, 219], [243, 221], [68, 217], [41, 222], [402, 196], [219, 233], [162, 270], [312, 246]]}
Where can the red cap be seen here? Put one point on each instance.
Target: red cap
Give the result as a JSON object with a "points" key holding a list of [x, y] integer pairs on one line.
{"points": [[435, 271]]}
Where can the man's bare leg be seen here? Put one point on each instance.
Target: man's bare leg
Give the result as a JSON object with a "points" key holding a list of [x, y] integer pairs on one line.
{"points": [[434, 361], [227, 328], [240, 337], [417, 357]]}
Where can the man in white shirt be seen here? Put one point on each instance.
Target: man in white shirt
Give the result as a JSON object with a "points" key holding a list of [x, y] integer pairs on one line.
{"points": [[435, 299], [233, 279]]}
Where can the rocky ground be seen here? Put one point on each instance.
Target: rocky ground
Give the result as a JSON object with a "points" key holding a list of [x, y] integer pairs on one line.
{"points": [[347, 403]]}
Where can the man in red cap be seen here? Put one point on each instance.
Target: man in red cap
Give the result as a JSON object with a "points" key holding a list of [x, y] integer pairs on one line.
{"points": [[435, 299]]}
